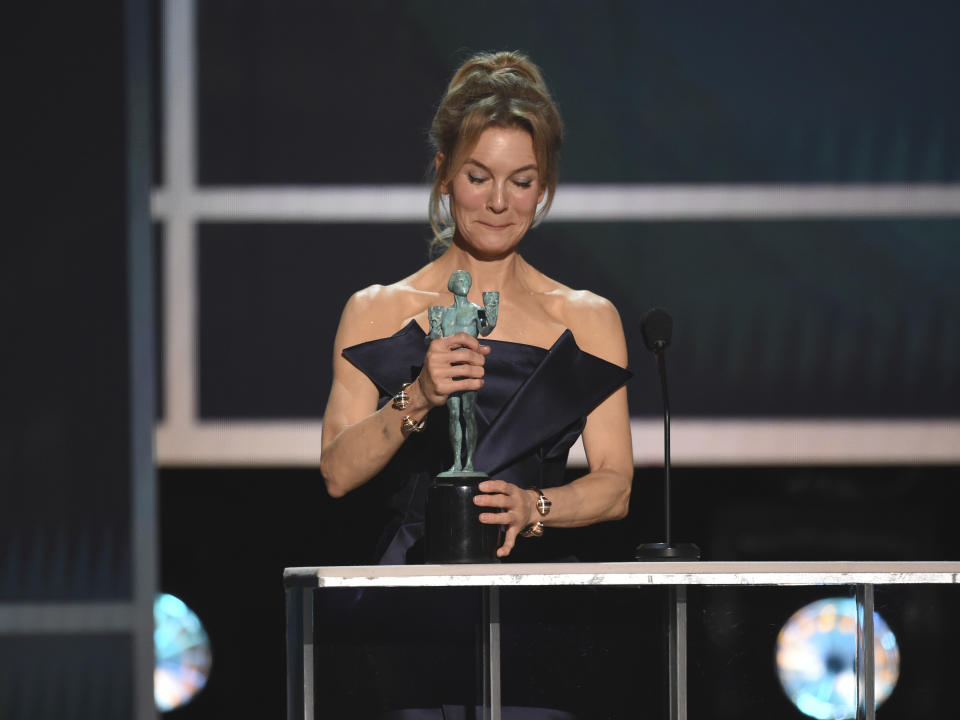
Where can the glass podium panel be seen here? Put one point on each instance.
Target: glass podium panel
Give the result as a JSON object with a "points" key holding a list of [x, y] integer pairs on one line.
{"points": [[624, 640]]}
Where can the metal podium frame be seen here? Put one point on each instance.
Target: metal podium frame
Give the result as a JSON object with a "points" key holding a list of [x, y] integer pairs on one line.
{"points": [[302, 583]]}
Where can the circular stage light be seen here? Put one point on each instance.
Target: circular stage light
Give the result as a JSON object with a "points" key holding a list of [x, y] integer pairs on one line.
{"points": [[182, 654], [816, 656]]}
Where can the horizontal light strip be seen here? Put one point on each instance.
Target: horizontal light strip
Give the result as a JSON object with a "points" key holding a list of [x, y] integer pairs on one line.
{"points": [[67, 618], [239, 443], [375, 204], [693, 442], [801, 442], [574, 203], [752, 202]]}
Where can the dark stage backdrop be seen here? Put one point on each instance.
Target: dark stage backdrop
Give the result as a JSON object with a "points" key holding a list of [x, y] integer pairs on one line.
{"points": [[295, 92], [855, 318], [784, 318], [228, 534], [848, 317], [77, 490]]}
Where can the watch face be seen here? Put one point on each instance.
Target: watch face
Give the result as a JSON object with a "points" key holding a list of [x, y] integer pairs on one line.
{"points": [[543, 505]]}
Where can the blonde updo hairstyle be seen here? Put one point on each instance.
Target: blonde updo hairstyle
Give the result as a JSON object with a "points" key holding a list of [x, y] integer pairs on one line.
{"points": [[503, 89]]}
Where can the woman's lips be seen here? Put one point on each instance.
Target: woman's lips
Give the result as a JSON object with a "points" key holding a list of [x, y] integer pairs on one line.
{"points": [[493, 226]]}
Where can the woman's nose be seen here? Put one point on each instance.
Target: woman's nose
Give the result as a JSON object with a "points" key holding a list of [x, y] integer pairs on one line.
{"points": [[497, 201]]}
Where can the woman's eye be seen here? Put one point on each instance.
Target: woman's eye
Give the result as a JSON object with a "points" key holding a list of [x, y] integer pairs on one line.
{"points": [[523, 183], [474, 178]]}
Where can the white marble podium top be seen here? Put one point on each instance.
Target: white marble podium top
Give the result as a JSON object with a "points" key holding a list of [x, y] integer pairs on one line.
{"points": [[626, 573]]}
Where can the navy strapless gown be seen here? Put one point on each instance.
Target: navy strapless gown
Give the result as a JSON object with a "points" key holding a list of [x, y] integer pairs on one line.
{"points": [[531, 410]]}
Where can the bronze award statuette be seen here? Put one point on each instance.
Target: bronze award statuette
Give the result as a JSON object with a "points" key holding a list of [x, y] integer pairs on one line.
{"points": [[454, 533]]}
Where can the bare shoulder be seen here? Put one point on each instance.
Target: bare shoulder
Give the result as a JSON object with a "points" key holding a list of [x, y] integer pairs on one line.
{"points": [[376, 311], [595, 323]]}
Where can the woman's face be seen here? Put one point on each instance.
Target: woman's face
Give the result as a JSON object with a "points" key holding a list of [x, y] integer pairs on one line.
{"points": [[494, 194]]}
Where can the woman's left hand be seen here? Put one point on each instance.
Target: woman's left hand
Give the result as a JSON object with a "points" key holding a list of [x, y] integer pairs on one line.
{"points": [[517, 507]]}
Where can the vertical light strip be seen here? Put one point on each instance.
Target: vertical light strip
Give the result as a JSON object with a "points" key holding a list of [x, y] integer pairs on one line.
{"points": [[140, 338], [179, 241]]}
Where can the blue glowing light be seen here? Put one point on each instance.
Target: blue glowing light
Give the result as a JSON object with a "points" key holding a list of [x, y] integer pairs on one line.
{"points": [[182, 656], [816, 656]]}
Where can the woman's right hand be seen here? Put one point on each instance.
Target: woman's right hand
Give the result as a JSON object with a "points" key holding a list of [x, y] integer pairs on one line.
{"points": [[452, 364]]}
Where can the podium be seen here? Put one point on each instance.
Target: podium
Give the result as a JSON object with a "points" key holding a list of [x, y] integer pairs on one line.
{"points": [[301, 585]]}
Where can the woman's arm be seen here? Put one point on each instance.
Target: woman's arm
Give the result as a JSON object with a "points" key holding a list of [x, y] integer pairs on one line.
{"points": [[604, 492], [359, 440]]}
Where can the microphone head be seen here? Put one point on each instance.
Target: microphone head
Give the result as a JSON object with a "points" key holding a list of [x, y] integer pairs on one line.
{"points": [[657, 327]]}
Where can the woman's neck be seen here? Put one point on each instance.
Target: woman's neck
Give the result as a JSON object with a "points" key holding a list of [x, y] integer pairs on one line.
{"points": [[499, 273]]}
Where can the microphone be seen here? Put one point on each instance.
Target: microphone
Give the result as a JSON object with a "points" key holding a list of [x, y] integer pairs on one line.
{"points": [[656, 325]]}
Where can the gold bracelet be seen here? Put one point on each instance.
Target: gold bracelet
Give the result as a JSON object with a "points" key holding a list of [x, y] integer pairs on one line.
{"points": [[534, 530], [401, 399], [409, 425]]}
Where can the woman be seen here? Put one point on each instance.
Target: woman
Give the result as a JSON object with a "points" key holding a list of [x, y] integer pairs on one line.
{"points": [[552, 366]]}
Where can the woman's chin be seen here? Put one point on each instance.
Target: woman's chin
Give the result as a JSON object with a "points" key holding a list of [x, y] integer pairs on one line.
{"points": [[487, 250]]}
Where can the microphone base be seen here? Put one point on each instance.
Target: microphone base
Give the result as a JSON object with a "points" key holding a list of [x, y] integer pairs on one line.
{"points": [[672, 553]]}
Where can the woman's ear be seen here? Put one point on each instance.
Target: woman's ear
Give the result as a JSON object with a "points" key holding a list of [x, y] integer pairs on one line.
{"points": [[438, 164]]}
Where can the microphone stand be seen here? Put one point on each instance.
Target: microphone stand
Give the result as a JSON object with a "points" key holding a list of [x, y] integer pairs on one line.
{"points": [[657, 328], [664, 550]]}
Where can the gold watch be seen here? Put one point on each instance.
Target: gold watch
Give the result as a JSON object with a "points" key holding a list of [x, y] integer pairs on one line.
{"points": [[543, 502], [543, 507]]}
